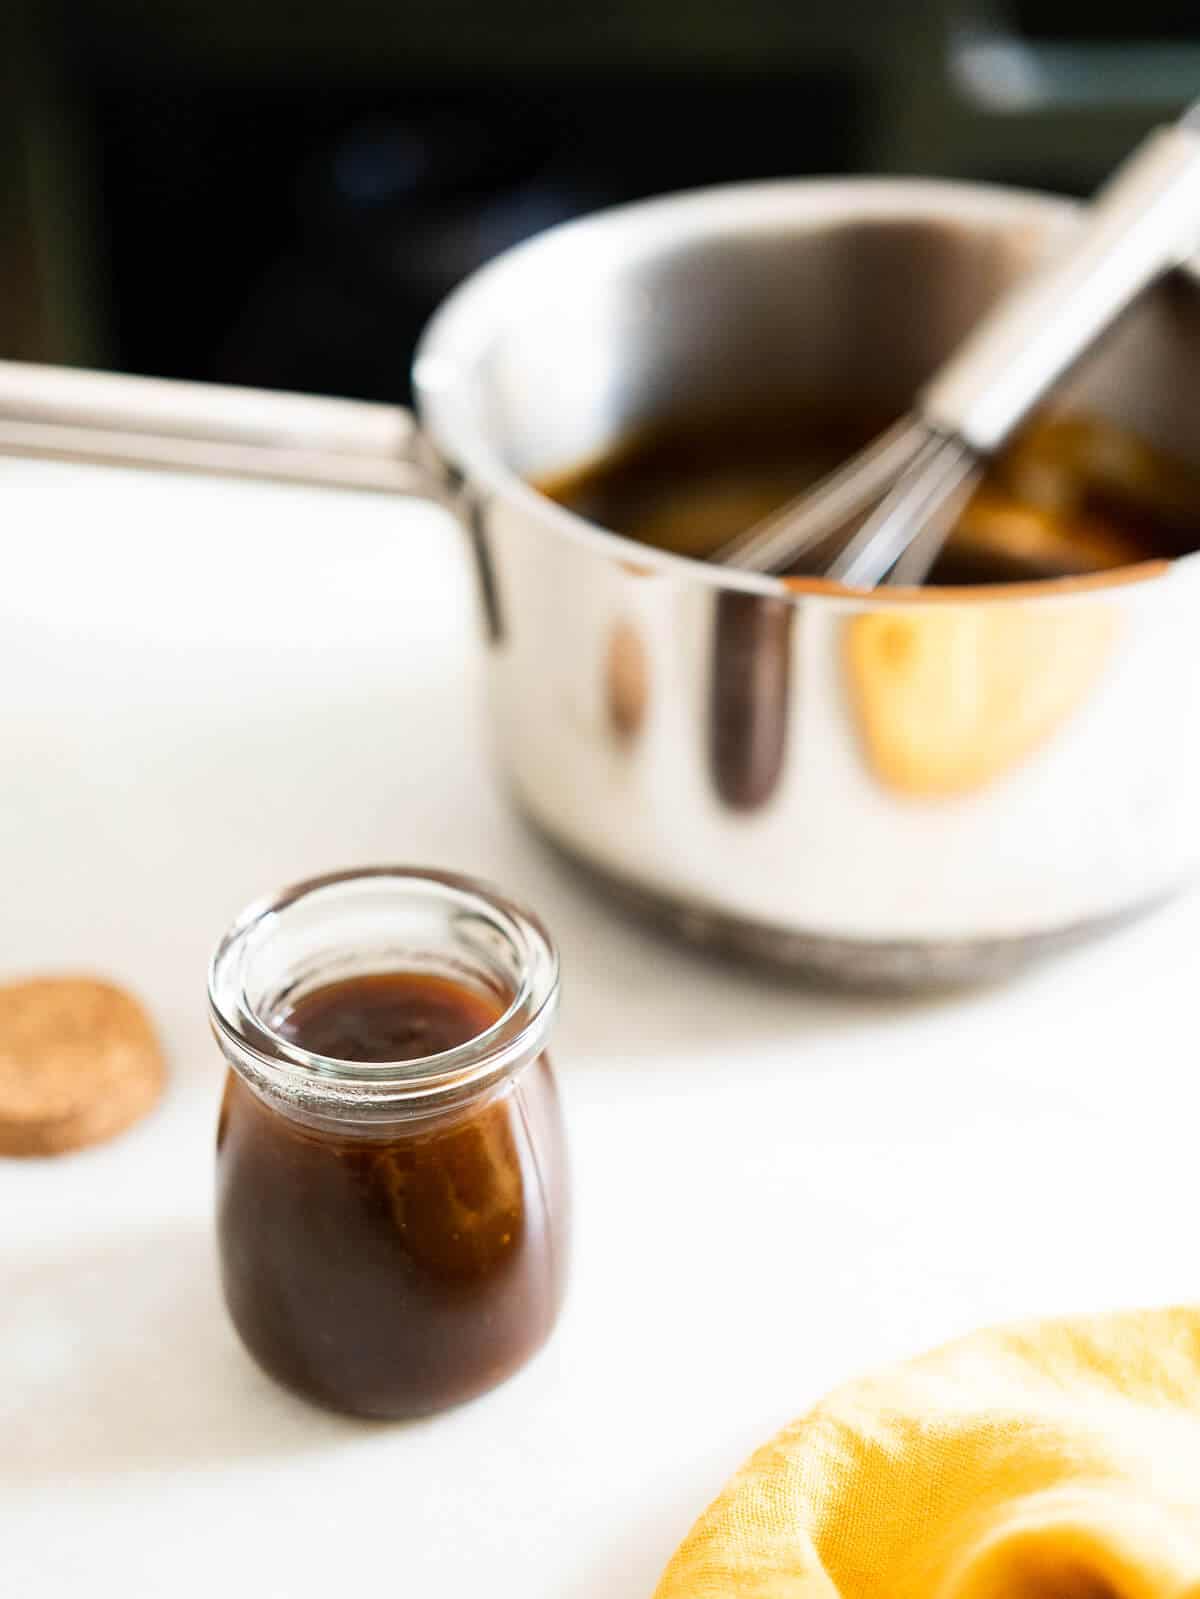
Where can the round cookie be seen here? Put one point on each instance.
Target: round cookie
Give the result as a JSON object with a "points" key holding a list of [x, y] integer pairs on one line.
{"points": [[79, 1062]]}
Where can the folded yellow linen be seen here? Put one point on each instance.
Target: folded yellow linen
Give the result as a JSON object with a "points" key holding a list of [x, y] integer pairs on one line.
{"points": [[1058, 1460]]}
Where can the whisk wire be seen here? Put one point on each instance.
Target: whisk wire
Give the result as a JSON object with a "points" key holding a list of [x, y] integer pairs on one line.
{"points": [[782, 543], [927, 499]]}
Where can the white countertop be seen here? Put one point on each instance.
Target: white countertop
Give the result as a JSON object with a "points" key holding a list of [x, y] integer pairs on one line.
{"points": [[209, 689]]}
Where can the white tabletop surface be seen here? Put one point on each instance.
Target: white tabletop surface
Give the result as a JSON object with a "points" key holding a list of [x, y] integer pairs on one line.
{"points": [[209, 689]]}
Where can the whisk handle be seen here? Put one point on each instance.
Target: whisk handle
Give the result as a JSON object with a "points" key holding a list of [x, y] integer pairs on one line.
{"points": [[1143, 222]]}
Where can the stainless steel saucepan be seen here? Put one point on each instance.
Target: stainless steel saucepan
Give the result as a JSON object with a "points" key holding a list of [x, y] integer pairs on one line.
{"points": [[886, 787]]}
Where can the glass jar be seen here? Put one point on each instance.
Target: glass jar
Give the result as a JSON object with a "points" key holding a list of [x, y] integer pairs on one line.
{"points": [[392, 1231]]}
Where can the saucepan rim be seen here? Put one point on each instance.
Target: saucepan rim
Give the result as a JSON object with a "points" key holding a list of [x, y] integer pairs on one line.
{"points": [[454, 343]]}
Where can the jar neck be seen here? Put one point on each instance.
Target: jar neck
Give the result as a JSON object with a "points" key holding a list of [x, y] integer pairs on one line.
{"points": [[364, 1104], [370, 923]]}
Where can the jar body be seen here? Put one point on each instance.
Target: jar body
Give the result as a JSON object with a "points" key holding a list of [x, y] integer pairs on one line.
{"points": [[394, 1269]]}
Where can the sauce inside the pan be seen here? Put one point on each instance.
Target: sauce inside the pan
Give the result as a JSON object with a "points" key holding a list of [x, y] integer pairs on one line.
{"points": [[1071, 496]]}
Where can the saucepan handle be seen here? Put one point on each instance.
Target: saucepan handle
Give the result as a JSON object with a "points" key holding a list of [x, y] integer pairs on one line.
{"points": [[62, 413]]}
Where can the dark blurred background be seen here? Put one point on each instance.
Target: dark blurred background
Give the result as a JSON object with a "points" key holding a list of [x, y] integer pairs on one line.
{"points": [[280, 191]]}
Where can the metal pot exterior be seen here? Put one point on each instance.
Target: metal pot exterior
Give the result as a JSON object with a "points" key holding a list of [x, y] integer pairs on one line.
{"points": [[764, 783]]}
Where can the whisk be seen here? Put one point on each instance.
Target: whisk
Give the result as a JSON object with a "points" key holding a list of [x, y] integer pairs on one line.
{"points": [[886, 513]]}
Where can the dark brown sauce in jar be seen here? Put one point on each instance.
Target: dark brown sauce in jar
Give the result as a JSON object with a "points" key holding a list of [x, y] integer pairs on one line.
{"points": [[394, 1267], [388, 1016]]}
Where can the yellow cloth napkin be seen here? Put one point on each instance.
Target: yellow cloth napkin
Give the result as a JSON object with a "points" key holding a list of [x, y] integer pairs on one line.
{"points": [[1059, 1460]]}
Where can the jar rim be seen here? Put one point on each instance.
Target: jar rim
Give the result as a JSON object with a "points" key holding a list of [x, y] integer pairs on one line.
{"points": [[514, 1037]]}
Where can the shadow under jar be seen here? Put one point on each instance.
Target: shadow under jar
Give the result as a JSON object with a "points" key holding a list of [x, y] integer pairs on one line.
{"points": [[392, 1208]]}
